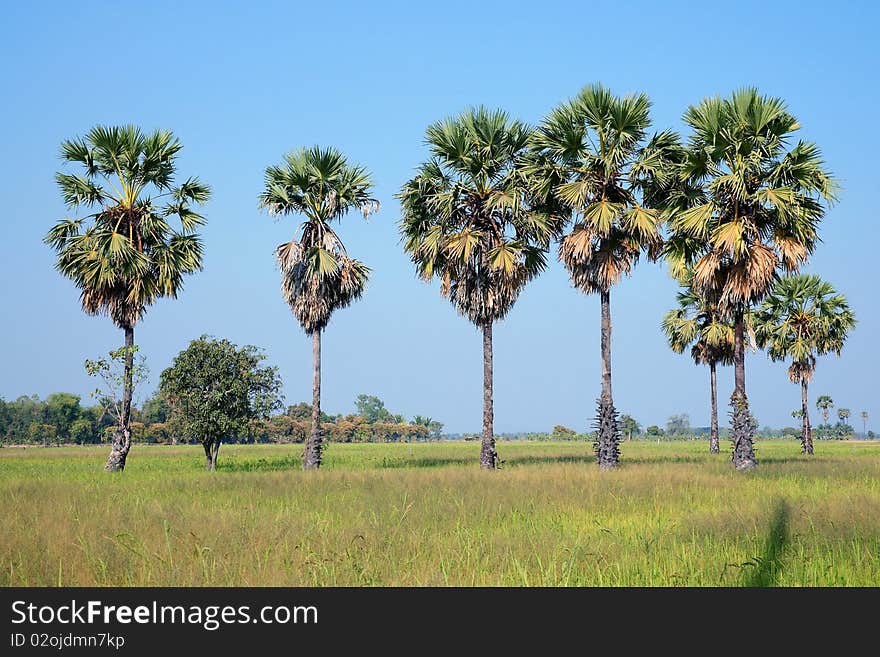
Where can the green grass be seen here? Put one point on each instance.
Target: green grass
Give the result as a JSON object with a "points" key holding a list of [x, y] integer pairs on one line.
{"points": [[424, 514]]}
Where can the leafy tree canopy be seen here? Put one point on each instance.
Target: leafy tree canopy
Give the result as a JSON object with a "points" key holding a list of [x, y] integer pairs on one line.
{"points": [[215, 389]]}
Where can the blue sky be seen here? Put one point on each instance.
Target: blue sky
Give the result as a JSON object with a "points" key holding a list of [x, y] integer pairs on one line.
{"points": [[242, 83]]}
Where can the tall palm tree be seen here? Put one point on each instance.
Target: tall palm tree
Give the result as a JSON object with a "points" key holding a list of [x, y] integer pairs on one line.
{"points": [[801, 319], [843, 414], [125, 255], [317, 274], [864, 416], [754, 206], [824, 403], [467, 220], [595, 167], [698, 323]]}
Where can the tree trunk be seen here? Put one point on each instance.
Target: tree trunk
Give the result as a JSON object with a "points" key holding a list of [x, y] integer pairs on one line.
{"points": [[122, 436], [714, 443], [606, 347], [739, 355], [312, 454], [742, 424], [209, 456], [807, 430], [607, 429], [488, 455]]}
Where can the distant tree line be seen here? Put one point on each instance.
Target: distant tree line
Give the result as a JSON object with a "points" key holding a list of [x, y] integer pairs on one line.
{"points": [[61, 418]]}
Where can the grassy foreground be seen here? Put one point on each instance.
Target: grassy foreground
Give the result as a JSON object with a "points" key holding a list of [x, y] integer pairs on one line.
{"points": [[423, 514]]}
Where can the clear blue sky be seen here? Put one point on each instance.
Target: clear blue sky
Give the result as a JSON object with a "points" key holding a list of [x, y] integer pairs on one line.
{"points": [[242, 83]]}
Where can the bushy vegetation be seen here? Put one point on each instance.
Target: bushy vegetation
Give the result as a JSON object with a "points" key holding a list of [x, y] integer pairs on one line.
{"points": [[61, 419]]}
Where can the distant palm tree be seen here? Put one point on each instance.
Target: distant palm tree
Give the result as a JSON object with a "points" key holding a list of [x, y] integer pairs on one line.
{"points": [[468, 221], [698, 323], [594, 164], [843, 414], [864, 416], [824, 403], [317, 275], [125, 255], [801, 319], [754, 206]]}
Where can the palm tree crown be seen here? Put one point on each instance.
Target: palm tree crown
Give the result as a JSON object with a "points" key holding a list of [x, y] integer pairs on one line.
{"points": [[467, 218], [125, 255], [593, 161], [698, 322], [754, 202], [802, 318], [318, 276]]}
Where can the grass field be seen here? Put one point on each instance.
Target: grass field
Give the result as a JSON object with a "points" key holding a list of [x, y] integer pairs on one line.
{"points": [[423, 514]]}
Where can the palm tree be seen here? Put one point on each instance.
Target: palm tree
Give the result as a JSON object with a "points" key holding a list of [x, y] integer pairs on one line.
{"points": [[317, 274], [843, 414], [698, 323], [864, 416], [824, 403], [594, 165], [467, 220], [753, 208], [125, 255], [801, 319]]}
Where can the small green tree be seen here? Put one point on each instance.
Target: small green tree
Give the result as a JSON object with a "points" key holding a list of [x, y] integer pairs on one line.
{"points": [[629, 426], [62, 410], [82, 432], [372, 409], [679, 424], [40, 433], [121, 375], [215, 389], [155, 410]]}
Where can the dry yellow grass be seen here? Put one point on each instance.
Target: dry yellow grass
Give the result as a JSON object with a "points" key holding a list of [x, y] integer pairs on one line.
{"points": [[425, 515]]}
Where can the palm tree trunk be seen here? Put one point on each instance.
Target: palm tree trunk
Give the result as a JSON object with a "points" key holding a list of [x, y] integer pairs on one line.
{"points": [[714, 446], [312, 454], [807, 431], [606, 346], [742, 424], [488, 455], [739, 355], [607, 430], [122, 436]]}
